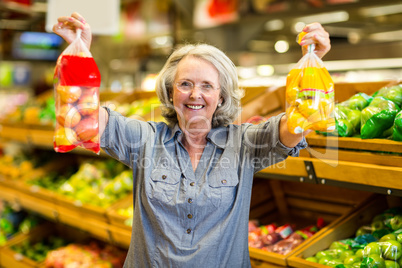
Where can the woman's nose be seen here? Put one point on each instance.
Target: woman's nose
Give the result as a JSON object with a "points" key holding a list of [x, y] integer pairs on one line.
{"points": [[195, 92]]}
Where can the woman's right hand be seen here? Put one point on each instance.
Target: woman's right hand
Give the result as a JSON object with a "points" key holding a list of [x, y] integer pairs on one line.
{"points": [[67, 27]]}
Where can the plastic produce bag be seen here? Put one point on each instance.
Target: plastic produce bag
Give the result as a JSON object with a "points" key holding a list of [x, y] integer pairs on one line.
{"points": [[378, 118], [347, 121], [359, 101], [348, 115], [309, 95], [385, 253], [76, 87], [397, 130], [392, 93]]}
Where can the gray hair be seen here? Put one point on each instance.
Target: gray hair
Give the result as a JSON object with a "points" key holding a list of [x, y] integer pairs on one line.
{"points": [[230, 92]]}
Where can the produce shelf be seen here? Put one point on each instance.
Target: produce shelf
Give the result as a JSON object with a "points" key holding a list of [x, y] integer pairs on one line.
{"points": [[87, 218], [378, 145], [8, 194], [344, 229], [284, 202], [12, 259], [114, 217], [14, 133], [120, 236], [303, 188], [353, 173], [45, 208]]}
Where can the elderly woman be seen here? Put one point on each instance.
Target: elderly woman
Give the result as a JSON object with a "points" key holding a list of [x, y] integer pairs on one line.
{"points": [[193, 176]]}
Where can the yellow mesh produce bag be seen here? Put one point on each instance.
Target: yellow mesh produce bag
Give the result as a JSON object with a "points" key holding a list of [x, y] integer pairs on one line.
{"points": [[309, 95]]}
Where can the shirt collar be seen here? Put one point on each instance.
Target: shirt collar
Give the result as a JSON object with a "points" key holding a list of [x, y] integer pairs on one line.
{"points": [[175, 131], [217, 136]]}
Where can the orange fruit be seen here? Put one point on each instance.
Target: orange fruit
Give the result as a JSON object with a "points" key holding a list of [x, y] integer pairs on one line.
{"points": [[68, 94], [296, 122], [65, 136], [316, 109], [300, 36], [326, 125], [292, 85]]}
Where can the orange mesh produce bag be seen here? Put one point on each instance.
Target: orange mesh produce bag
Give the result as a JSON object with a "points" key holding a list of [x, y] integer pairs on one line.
{"points": [[309, 95], [76, 88]]}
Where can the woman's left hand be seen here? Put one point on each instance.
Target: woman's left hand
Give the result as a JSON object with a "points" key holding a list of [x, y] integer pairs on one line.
{"points": [[316, 34]]}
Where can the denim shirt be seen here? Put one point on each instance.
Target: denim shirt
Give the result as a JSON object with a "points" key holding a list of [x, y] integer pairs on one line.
{"points": [[184, 218]]}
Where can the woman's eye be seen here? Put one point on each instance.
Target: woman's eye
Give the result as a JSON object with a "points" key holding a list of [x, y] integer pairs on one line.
{"points": [[185, 84], [207, 86]]}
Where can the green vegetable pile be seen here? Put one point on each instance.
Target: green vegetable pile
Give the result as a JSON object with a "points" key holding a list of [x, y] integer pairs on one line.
{"points": [[376, 245], [14, 221], [38, 251], [369, 117]]}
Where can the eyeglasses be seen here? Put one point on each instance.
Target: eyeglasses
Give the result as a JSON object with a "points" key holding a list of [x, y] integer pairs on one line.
{"points": [[187, 86]]}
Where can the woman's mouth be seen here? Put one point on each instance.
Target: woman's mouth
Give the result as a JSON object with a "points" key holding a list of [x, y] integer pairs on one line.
{"points": [[195, 107]]}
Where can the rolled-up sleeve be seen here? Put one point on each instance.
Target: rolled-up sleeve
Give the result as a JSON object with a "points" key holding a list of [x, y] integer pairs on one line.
{"points": [[264, 146], [123, 137]]}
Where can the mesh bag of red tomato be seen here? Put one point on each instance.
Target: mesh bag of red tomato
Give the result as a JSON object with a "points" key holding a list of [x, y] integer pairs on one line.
{"points": [[76, 88]]}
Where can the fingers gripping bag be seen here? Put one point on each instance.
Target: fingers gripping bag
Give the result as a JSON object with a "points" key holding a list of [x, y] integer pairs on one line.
{"points": [[309, 95], [76, 88]]}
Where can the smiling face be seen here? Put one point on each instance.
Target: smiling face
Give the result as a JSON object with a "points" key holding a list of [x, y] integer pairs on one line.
{"points": [[196, 107]]}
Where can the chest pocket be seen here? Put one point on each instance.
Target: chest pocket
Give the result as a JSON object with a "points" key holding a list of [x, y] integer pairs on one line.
{"points": [[164, 184], [223, 185]]}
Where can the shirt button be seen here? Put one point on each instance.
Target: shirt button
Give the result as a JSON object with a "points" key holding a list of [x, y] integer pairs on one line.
{"points": [[192, 183], [188, 231], [223, 181], [190, 216], [164, 177], [190, 200]]}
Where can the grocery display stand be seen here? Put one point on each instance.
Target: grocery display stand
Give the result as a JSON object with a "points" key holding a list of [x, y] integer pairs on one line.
{"points": [[370, 165], [300, 204], [373, 165], [313, 184], [344, 229]]}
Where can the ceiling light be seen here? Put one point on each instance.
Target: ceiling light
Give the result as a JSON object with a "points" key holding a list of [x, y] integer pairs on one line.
{"points": [[342, 31], [149, 82], [324, 18], [387, 36], [298, 27], [281, 46], [274, 25], [354, 37], [265, 70], [381, 10], [246, 72], [161, 41], [363, 64]]}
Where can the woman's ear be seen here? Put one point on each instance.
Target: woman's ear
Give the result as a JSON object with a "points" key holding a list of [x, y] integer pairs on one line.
{"points": [[170, 96]]}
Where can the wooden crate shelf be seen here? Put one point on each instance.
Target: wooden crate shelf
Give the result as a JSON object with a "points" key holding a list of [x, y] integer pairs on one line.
{"points": [[376, 145], [342, 230], [284, 202]]}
